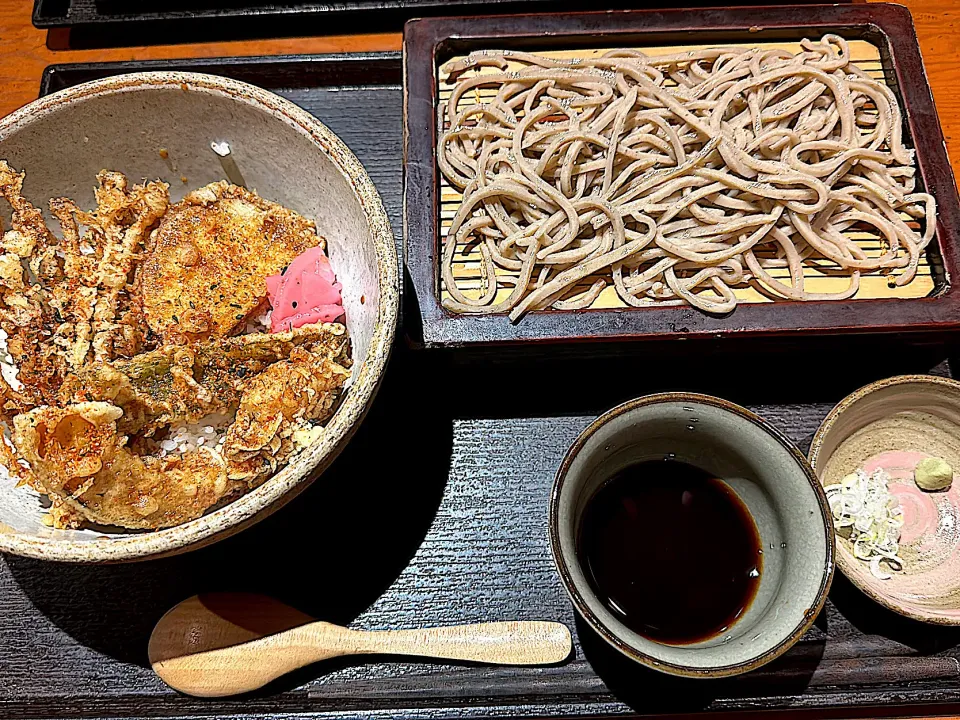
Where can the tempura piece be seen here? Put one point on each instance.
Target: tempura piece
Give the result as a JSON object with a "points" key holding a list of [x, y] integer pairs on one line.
{"points": [[276, 405], [104, 320], [184, 383], [203, 276], [66, 303], [27, 254], [78, 459]]}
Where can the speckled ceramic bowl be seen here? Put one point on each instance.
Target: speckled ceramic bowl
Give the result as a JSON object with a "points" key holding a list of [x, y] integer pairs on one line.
{"points": [[286, 155], [893, 424], [767, 473]]}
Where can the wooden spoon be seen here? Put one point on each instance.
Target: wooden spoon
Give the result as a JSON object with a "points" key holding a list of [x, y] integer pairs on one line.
{"points": [[229, 643]]}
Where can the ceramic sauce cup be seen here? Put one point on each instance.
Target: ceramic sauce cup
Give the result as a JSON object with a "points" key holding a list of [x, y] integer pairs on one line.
{"points": [[768, 474]]}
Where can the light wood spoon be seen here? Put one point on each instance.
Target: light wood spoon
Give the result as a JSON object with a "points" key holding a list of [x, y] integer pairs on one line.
{"points": [[230, 643]]}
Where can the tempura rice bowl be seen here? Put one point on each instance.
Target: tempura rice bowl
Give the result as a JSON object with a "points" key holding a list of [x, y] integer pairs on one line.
{"points": [[285, 155]]}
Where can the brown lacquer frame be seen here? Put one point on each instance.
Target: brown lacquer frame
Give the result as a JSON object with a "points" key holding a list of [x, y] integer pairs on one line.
{"points": [[428, 42]]}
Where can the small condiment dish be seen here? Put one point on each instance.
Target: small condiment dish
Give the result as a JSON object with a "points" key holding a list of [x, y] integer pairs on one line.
{"points": [[892, 425], [768, 474]]}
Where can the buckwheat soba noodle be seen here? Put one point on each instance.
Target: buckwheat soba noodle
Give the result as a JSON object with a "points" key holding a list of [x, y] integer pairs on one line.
{"points": [[672, 176]]}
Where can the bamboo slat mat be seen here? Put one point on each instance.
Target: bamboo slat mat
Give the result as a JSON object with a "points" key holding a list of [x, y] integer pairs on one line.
{"points": [[818, 278]]}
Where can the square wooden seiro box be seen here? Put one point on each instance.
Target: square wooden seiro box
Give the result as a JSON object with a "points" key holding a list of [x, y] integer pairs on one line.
{"points": [[882, 42]]}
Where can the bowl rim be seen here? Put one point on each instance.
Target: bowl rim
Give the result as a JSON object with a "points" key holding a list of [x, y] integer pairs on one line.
{"points": [[612, 638], [284, 485], [816, 445]]}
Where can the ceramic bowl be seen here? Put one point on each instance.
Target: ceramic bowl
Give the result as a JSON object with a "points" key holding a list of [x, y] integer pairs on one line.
{"points": [[893, 424], [122, 123], [767, 473]]}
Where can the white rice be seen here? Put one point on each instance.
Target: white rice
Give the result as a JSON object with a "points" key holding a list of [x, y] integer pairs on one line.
{"points": [[209, 433], [7, 368], [259, 324]]}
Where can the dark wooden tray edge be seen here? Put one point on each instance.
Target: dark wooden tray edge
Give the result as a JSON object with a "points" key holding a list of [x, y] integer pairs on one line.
{"points": [[322, 67], [48, 14], [60, 17]]}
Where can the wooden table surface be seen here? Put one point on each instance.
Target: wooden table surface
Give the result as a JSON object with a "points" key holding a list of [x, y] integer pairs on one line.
{"points": [[25, 51]]}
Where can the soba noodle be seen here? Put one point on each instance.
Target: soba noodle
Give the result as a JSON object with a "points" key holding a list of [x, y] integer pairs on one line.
{"points": [[672, 176]]}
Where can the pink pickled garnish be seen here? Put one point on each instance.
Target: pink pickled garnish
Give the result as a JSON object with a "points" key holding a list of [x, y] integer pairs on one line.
{"points": [[307, 292]]}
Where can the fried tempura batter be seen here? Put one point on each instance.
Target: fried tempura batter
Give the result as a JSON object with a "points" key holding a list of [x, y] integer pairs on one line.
{"points": [[101, 316], [64, 303], [281, 400], [204, 274], [184, 383], [77, 457], [111, 351]]}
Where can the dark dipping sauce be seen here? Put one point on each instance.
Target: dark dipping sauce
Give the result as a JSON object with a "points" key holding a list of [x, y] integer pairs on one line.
{"points": [[671, 551]]}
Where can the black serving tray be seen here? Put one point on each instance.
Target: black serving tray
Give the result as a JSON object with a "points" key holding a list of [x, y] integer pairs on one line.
{"points": [[141, 22], [121, 22], [436, 513], [71, 13]]}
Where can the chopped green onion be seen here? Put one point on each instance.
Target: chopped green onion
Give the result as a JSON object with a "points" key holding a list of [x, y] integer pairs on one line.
{"points": [[867, 514]]}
